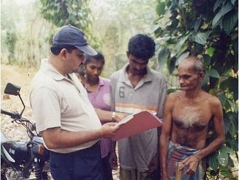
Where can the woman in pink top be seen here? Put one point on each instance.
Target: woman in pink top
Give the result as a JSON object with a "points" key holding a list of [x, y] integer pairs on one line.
{"points": [[98, 90]]}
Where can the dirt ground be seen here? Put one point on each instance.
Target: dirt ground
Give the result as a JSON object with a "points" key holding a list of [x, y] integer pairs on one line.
{"points": [[21, 77]]}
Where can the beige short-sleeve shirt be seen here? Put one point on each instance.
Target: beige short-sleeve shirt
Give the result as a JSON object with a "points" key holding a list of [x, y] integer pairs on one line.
{"points": [[59, 101]]}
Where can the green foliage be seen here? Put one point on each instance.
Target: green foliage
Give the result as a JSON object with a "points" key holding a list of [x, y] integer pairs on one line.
{"points": [[115, 22], [11, 40], [74, 12], [208, 29]]}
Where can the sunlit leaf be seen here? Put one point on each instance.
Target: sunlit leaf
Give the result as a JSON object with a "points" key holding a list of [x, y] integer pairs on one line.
{"points": [[180, 2], [224, 10], [216, 19], [225, 150], [224, 153], [223, 159], [160, 9], [233, 1], [213, 73], [181, 41], [163, 55], [201, 37], [205, 26], [210, 51], [217, 4], [182, 57]]}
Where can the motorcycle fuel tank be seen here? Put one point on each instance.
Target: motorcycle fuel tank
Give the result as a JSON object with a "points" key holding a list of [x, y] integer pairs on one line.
{"points": [[15, 152]]}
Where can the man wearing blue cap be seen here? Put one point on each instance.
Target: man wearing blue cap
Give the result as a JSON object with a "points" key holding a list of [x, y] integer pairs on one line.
{"points": [[63, 113]]}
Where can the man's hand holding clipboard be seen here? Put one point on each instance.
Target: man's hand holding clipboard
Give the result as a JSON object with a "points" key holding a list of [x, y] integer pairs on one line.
{"points": [[136, 123]]}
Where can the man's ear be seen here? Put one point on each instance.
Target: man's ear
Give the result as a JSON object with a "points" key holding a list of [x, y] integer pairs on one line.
{"points": [[201, 75], [63, 53], [127, 53]]}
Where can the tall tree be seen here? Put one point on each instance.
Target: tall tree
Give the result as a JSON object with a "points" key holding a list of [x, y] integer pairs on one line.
{"points": [[74, 12], [8, 31], [24, 33], [209, 29]]}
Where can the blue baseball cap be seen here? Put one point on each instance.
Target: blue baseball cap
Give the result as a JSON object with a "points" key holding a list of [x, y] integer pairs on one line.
{"points": [[71, 36]]}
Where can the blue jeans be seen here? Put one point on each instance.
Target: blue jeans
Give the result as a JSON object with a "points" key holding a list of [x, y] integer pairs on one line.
{"points": [[80, 165]]}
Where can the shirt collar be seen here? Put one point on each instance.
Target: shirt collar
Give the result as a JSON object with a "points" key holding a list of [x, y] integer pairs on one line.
{"points": [[124, 76], [47, 67], [100, 83]]}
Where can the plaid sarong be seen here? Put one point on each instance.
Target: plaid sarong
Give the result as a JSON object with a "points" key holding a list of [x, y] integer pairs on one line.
{"points": [[177, 153]]}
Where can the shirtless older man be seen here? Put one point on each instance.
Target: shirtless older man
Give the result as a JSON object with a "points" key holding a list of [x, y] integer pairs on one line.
{"points": [[186, 119]]}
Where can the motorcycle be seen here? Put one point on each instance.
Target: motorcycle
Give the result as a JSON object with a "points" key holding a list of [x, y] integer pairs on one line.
{"points": [[20, 159]]}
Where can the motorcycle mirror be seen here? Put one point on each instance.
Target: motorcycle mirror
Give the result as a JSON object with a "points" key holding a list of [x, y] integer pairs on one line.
{"points": [[12, 89]]}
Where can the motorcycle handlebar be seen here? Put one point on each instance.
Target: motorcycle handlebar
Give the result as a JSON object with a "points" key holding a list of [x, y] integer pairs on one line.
{"points": [[14, 115], [31, 128]]}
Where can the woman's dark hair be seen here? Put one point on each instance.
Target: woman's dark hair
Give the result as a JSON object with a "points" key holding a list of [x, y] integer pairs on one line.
{"points": [[99, 57], [56, 49], [141, 46]]}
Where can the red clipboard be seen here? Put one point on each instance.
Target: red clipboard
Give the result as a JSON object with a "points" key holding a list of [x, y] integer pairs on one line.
{"points": [[136, 123]]}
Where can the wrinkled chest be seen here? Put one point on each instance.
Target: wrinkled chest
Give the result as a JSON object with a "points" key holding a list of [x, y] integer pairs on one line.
{"points": [[191, 115]]}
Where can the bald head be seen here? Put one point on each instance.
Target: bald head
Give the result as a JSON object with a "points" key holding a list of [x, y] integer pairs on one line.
{"points": [[190, 73], [193, 63]]}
